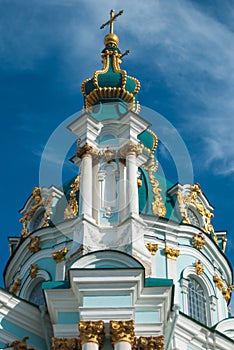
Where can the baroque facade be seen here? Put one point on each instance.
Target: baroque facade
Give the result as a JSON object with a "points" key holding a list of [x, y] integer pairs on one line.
{"points": [[116, 258]]}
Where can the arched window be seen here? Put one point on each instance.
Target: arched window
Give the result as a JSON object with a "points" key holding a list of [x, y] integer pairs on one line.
{"points": [[37, 296], [196, 301]]}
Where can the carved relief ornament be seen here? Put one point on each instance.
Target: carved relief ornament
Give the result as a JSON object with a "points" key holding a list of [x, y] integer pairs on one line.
{"points": [[91, 331], [64, 343], [152, 343], [33, 270], [59, 256], [123, 331], [152, 247], [199, 267], [16, 286], [198, 240], [171, 253], [34, 244]]}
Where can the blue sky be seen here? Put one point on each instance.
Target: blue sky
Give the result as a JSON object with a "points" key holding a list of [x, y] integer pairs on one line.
{"points": [[181, 51]]}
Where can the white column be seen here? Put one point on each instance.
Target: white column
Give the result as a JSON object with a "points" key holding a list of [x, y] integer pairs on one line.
{"points": [[90, 346], [96, 194], [122, 345], [86, 198], [122, 192], [132, 188]]}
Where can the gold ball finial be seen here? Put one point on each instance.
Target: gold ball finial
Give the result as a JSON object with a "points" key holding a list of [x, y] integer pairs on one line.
{"points": [[111, 39]]}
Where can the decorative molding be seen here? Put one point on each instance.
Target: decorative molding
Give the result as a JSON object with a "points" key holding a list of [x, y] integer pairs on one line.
{"points": [[198, 240], [171, 253], [34, 244], [199, 267], [158, 206], [72, 208], [64, 343], [16, 286], [152, 247], [123, 331], [20, 344], [33, 270], [152, 343], [91, 331], [59, 256]]}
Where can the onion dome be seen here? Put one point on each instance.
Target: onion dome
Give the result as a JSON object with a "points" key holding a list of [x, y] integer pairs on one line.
{"points": [[111, 83]]}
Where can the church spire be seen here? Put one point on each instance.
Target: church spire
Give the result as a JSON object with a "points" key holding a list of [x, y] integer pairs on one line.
{"points": [[111, 83]]}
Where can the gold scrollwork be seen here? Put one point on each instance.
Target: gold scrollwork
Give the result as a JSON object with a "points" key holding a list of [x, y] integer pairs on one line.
{"points": [[152, 343], [16, 286], [158, 206], [152, 247], [64, 343], [92, 331], [59, 256], [33, 270], [72, 208], [123, 331], [199, 240], [193, 198], [171, 253], [34, 244], [199, 267]]}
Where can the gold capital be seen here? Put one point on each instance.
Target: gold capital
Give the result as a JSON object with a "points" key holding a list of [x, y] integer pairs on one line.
{"points": [[171, 253], [122, 331], [152, 343], [92, 331], [85, 150], [64, 343]]}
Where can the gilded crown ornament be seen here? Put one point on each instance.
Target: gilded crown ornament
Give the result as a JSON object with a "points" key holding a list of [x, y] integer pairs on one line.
{"points": [[34, 244], [59, 256], [123, 331], [199, 240], [171, 253], [91, 332], [199, 267], [152, 247], [152, 343], [111, 83]]}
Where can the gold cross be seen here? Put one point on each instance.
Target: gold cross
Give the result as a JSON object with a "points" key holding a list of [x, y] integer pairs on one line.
{"points": [[111, 20]]}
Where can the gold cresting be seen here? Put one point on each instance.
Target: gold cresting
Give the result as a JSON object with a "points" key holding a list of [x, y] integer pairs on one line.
{"points": [[199, 240], [60, 255], [152, 343], [72, 208], [171, 253], [64, 343], [185, 200], [38, 201], [152, 247], [123, 331], [91, 331]]}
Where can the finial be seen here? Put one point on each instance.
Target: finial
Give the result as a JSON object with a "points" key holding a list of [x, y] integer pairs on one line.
{"points": [[111, 20]]}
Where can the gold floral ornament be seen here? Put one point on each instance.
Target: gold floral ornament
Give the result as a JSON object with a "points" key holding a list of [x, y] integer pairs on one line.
{"points": [[171, 253], [227, 292], [198, 240], [152, 343], [91, 331], [185, 200], [199, 267], [33, 270], [72, 208], [20, 344], [123, 331], [218, 282], [39, 201], [152, 247], [64, 343], [34, 244], [59, 256], [16, 286]]}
